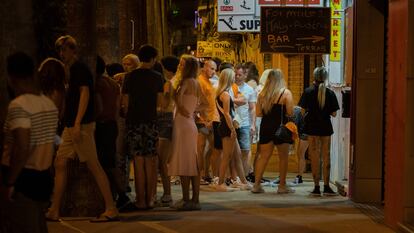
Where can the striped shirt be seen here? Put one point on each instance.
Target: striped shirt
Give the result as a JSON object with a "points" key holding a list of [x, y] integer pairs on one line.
{"points": [[39, 114]]}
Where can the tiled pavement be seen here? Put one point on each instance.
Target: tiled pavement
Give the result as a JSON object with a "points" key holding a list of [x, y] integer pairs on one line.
{"points": [[243, 211]]}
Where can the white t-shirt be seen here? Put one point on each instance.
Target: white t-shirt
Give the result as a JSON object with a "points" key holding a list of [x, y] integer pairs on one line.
{"points": [[243, 110], [39, 114]]}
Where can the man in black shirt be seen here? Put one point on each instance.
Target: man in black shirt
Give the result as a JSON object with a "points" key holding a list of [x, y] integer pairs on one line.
{"points": [[78, 134], [142, 91]]}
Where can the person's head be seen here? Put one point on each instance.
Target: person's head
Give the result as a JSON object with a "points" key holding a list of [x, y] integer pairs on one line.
{"points": [[321, 75], [170, 65], [209, 68], [225, 65], [67, 48], [241, 73], [20, 69], [100, 66], [113, 69], [252, 72], [51, 74], [264, 76], [188, 67], [272, 89], [147, 54], [217, 60], [226, 79], [130, 62]]}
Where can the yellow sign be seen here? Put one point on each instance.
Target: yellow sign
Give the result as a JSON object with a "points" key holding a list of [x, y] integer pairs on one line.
{"points": [[222, 49], [204, 49], [336, 27]]}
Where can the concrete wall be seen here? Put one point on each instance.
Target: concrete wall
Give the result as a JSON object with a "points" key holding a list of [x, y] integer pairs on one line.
{"points": [[366, 169]]}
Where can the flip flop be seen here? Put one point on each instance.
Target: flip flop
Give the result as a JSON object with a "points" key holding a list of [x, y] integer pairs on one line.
{"points": [[105, 218]]}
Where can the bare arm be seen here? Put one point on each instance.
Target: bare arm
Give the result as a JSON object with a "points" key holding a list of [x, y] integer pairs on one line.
{"points": [[288, 100], [179, 101], [83, 103], [240, 100], [259, 108], [252, 111]]}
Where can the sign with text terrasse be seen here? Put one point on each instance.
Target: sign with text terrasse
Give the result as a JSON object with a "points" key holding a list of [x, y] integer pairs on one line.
{"points": [[295, 30]]}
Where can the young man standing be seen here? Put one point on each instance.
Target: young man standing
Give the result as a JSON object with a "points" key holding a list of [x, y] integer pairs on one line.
{"points": [[142, 93], [247, 112], [30, 128], [78, 134], [205, 119]]}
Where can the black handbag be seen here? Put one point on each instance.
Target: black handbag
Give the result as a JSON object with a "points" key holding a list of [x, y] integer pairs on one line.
{"points": [[283, 134]]}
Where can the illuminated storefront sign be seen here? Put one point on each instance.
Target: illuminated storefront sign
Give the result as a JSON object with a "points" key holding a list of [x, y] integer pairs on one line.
{"points": [[222, 49], [336, 28]]}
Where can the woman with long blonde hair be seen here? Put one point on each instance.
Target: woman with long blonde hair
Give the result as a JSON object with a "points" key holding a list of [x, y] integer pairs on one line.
{"points": [[183, 160], [320, 103], [274, 103], [227, 133]]}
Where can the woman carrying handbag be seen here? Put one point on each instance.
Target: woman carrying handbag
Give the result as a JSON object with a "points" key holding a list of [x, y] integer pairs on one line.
{"points": [[274, 104]]}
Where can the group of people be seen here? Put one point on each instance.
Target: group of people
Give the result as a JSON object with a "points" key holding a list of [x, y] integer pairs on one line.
{"points": [[172, 118]]}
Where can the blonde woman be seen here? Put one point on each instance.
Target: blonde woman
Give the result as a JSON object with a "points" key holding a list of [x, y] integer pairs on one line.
{"points": [[320, 103], [273, 102], [227, 132], [183, 160]]}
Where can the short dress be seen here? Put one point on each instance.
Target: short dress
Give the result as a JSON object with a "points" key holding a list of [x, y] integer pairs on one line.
{"points": [[223, 128]]}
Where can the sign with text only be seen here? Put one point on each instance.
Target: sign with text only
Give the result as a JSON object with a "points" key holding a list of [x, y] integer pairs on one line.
{"points": [[295, 30]]}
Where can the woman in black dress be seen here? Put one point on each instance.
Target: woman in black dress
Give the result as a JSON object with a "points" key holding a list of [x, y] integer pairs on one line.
{"points": [[274, 101], [320, 103]]}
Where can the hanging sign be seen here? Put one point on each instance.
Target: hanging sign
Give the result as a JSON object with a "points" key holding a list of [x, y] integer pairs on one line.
{"points": [[296, 30]]}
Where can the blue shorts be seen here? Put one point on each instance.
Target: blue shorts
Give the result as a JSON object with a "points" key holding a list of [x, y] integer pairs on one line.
{"points": [[243, 136]]}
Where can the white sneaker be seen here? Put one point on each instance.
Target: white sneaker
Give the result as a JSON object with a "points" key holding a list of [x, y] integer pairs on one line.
{"points": [[284, 190]]}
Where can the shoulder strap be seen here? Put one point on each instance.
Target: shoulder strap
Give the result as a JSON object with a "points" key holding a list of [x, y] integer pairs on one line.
{"points": [[280, 95]]}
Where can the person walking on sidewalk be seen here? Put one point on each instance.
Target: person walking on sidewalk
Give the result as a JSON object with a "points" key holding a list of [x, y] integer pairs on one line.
{"points": [[78, 135]]}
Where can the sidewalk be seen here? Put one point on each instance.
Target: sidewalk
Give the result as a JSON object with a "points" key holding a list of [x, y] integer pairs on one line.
{"points": [[243, 211]]}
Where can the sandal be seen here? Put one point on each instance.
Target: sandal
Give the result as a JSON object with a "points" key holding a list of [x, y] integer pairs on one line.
{"points": [[106, 217]]}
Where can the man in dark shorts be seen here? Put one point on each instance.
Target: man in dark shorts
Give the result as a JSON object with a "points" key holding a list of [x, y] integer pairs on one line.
{"points": [[142, 93]]}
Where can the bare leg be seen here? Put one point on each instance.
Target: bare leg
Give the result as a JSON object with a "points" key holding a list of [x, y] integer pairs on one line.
{"points": [[228, 148], [151, 179], [238, 163], [102, 181], [302, 147], [314, 153], [245, 157], [325, 149], [215, 161], [266, 151], [201, 144], [208, 154], [60, 186], [185, 186], [283, 151], [195, 183], [164, 154], [140, 179]]}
